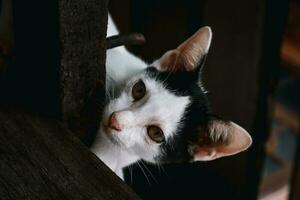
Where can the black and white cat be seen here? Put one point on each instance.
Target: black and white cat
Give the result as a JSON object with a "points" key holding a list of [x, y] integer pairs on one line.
{"points": [[160, 112]]}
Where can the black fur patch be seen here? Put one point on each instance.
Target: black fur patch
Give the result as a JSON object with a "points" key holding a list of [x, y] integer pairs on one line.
{"points": [[196, 116]]}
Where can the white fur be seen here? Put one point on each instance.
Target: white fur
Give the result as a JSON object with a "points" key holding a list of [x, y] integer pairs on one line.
{"points": [[120, 64], [158, 107]]}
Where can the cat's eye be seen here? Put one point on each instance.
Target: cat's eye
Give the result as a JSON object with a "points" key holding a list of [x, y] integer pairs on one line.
{"points": [[138, 90], [156, 134]]}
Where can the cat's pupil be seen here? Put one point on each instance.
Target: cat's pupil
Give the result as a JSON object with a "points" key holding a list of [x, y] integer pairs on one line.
{"points": [[155, 133], [138, 90]]}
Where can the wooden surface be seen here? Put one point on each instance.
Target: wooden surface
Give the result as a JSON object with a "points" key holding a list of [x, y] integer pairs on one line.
{"points": [[82, 38], [41, 159]]}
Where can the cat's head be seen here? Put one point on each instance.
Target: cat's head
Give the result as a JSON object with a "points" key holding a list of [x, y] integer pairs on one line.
{"points": [[162, 114]]}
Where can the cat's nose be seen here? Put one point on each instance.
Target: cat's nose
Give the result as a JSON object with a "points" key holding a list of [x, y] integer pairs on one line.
{"points": [[113, 122]]}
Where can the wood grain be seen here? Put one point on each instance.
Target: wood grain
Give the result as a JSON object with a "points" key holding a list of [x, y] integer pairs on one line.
{"points": [[41, 159], [83, 49]]}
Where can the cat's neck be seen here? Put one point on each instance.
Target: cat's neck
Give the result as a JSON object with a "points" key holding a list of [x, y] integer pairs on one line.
{"points": [[111, 154]]}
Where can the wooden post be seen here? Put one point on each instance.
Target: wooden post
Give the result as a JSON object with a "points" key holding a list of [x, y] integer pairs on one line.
{"points": [[82, 26]]}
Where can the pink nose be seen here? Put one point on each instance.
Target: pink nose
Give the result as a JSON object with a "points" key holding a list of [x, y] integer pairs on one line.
{"points": [[113, 123]]}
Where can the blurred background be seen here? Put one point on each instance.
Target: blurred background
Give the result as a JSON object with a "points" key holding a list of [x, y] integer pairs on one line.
{"points": [[252, 75]]}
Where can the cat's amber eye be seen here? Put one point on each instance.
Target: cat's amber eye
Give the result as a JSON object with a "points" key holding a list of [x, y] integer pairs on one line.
{"points": [[138, 90], [156, 134]]}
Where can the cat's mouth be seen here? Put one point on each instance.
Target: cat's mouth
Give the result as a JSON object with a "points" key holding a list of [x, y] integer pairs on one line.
{"points": [[108, 130], [111, 132]]}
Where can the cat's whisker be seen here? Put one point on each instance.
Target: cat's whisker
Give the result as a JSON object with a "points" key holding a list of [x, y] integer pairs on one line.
{"points": [[164, 170], [158, 167], [130, 172], [143, 172], [161, 169], [148, 170], [110, 92], [99, 104], [172, 145]]}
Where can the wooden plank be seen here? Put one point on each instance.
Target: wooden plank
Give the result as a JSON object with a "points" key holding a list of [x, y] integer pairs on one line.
{"points": [[41, 159], [82, 38]]}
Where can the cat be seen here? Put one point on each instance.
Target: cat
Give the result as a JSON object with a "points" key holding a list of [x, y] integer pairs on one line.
{"points": [[159, 112]]}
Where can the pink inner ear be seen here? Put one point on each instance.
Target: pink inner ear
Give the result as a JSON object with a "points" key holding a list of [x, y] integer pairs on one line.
{"points": [[206, 153], [202, 151], [222, 139], [170, 61], [188, 55], [185, 57], [191, 51]]}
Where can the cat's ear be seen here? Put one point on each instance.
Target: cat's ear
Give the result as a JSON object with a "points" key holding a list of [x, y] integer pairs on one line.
{"points": [[219, 140], [188, 55]]}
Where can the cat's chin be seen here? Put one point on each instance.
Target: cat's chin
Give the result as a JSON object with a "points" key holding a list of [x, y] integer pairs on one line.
{"points": [[110, 134]]}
